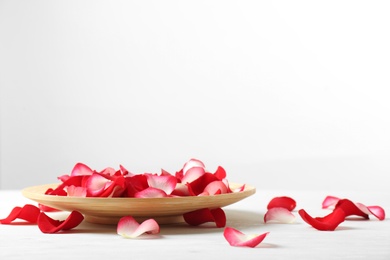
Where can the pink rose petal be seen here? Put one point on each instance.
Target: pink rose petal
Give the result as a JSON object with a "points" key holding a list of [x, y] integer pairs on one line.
{"points": [[28, 213], [150, 193], [237, 238], [376, 211], [128, 227], [49, 225], [193, 174], [215, 187], [167, 183], [192, 163], [330, 201], [279, 214], [81, 169]]}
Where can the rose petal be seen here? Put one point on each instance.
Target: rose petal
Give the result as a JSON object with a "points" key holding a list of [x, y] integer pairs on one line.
{"points": [[220, 173], [49, 225], [167, 183], [376, 211], [193, 174], [237, 238], [329, 201], [328, 223], [215, 187], [81, 169], [28, 213], [192, 163], [201, 216], [350, 208], [135, 184], [150, 193], [279, 214], [128, 227], [283, 201]]}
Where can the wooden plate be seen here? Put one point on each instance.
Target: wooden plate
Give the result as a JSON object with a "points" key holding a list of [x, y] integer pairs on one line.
{"points": [[110, 210]]}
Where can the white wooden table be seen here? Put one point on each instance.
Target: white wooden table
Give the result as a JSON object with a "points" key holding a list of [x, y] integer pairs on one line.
{"points": [[353, 239]]}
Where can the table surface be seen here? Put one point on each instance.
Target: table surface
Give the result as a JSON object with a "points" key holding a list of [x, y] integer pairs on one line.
{"points": [[353, 239]]}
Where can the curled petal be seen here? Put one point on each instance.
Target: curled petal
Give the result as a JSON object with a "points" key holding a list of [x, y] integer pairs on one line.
{"points": [[167, 183], [201, 216], [284, 202], [81, 169], [215, 187], [49, 225], [328, 223], [220, 173], [350, 208], [329, 201], [237, 238], [150, 193], [376, 211], [128, 227], [279, 214], [193, 174], [192, 163], [28, 213]]}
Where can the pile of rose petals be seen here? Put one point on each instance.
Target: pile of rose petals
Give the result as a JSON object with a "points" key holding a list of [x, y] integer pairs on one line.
{"points": [[191, 180]]}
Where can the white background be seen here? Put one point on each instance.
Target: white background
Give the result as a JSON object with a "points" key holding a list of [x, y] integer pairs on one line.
{"points": [[282, 94]]}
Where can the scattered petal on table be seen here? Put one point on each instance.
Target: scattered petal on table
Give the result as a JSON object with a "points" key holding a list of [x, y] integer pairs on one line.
{"points": [[330, 201], [49, 225], [350, 208], [376, 211], [279, 214], [128, 227], [201, 216], [237, 238], [328, 223], [28, 213], [283, 201]]}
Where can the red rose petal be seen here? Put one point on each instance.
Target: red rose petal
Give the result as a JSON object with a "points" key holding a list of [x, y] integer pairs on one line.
{"points": [[328, 223], [28, 213], [49, 225], [350, 208], [237, 238], [201, 216], [283, 202]]}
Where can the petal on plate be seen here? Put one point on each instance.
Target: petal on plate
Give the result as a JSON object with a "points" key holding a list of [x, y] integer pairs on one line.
{"points": [[220, 173], [81, 169], [201, 216], [192, 163], [376, 211], [181, 190], [327, 223], [237, 238], [283, 202], [150, 193], [329, 201], [128, 227], [193, 174], [167, 183], [76, 191], [280, 215], [135, 184], [49, 225], [215, 187], [96, 185], [28, 213], [197, 186]]}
